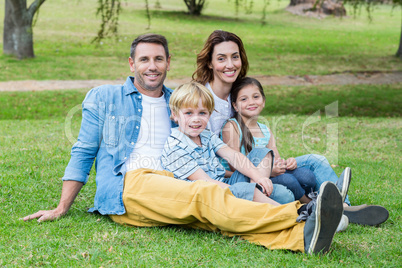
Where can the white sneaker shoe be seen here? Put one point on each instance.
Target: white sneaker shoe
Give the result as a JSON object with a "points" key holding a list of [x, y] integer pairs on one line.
{"points": [[343, 224]]}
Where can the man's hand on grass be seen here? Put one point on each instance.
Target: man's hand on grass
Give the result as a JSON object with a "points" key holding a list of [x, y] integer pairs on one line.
{"points": [[45, 215]]}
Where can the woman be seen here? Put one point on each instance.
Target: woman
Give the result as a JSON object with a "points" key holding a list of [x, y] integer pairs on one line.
{"points": [[219, 64]]}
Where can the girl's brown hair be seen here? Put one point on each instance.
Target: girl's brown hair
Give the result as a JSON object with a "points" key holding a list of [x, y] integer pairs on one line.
{"points": [[247, 140], [204, 73]]}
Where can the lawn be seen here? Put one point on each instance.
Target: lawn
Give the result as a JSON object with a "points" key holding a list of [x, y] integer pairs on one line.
{"points": [[37, 130], [35, 141]]}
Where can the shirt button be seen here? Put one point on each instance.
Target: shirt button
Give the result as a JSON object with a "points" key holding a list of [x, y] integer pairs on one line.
{"points": [[139, 97], [112, 117], [125, 158], [139, 110], [132, 143], [136, 127]]}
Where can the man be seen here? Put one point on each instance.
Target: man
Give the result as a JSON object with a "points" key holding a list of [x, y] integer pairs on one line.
{"points": [[124, 129]]}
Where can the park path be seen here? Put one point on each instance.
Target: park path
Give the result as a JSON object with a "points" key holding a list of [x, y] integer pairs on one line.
{"points": [[331, 79]]}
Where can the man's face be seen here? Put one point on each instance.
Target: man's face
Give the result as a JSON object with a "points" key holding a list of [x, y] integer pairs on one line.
{"points": [[150, 67]]}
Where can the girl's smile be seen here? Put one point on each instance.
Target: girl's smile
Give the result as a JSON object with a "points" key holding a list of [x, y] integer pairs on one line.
{"points": [[249, 102]]}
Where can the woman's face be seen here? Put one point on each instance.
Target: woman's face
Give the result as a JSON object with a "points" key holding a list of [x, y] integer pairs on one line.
{"points": [[226, 62]]}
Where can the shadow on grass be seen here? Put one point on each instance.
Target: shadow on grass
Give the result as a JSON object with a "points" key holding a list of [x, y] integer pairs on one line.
{"points": [[353, 100], [183, 15]]}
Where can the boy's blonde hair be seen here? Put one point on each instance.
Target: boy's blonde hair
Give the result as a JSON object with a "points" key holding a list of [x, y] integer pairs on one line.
{"points": [[188, 95]]}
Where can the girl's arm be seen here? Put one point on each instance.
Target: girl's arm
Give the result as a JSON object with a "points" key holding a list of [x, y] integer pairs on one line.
{"points": [[231, 136], [291, 163], [201, 175], [279, 164], [241, 163]]}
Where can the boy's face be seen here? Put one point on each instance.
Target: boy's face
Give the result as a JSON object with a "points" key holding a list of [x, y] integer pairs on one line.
{"points": [[192, 121]]}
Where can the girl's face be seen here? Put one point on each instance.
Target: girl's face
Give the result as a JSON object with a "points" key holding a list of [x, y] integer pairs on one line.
{"points": [[249, 102], [226, 62]]}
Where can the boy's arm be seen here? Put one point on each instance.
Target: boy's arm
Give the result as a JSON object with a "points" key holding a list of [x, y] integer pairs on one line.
{"points": [[183, 166], [241, 163], [200, 175]]}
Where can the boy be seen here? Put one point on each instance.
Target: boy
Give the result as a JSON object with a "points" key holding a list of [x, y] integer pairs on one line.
{"points": [[191, 151]]}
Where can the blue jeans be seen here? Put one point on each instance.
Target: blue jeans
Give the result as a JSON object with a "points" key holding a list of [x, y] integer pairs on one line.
{"points": [[301, 181], [241, 187], [321, 169]]}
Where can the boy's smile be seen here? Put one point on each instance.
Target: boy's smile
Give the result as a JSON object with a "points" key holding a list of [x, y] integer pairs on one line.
{"points": [[192, 121]]}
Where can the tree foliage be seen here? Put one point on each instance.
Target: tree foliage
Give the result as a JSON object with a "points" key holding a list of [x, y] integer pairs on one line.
{"points": [[18, 19], [369, 5], [109, 10]]}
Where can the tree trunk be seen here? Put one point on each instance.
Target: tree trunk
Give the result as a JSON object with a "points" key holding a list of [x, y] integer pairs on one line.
{"points": [[17, 32], [194, 6], [399, 52]]}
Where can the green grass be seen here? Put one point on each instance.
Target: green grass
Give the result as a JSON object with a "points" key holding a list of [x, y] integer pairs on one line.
{"points": [[35, 148], [285, 45], [354, 100], [37, 130]]}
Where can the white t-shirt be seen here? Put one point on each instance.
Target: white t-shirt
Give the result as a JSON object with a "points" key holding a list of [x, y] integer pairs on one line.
{"points": [[223, 111], [154, 131]]}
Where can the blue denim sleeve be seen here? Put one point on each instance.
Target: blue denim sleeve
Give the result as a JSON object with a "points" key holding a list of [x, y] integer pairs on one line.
{"points": [[84, 151]]}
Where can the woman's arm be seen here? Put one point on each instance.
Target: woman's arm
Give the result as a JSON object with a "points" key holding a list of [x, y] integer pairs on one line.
{"points": [[201, 175], [242, 164]]}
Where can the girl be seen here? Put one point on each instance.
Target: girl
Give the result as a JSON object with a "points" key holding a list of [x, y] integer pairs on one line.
{"points": [[243, 133]]}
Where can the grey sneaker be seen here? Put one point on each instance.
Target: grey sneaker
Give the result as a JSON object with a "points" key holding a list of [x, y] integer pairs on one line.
{"points": [[366, 215], [321, 226], [344, 182]]}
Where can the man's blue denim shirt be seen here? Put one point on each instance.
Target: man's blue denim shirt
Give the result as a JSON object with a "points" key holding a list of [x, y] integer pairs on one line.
{"points": [[111, 120]]}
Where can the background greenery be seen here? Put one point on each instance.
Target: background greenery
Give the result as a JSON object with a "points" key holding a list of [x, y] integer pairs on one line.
{"points": [[285, 45], [35, 141]]}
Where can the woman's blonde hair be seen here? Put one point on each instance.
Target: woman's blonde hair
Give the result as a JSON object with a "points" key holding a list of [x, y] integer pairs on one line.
{"points": [[188, 95]]}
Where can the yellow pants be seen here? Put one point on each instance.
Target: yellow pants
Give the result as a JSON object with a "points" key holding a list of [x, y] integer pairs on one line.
{"points": [[157, 199]]}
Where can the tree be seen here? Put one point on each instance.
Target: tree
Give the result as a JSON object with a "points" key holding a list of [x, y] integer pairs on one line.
{"points": [[18, 23], [18, 34], [369, 4], [18, 20], [194, 6]]}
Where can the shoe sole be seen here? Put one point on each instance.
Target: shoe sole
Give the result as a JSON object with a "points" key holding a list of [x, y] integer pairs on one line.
{"points": [[370, 215], [346, 182], [329, 210]]}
